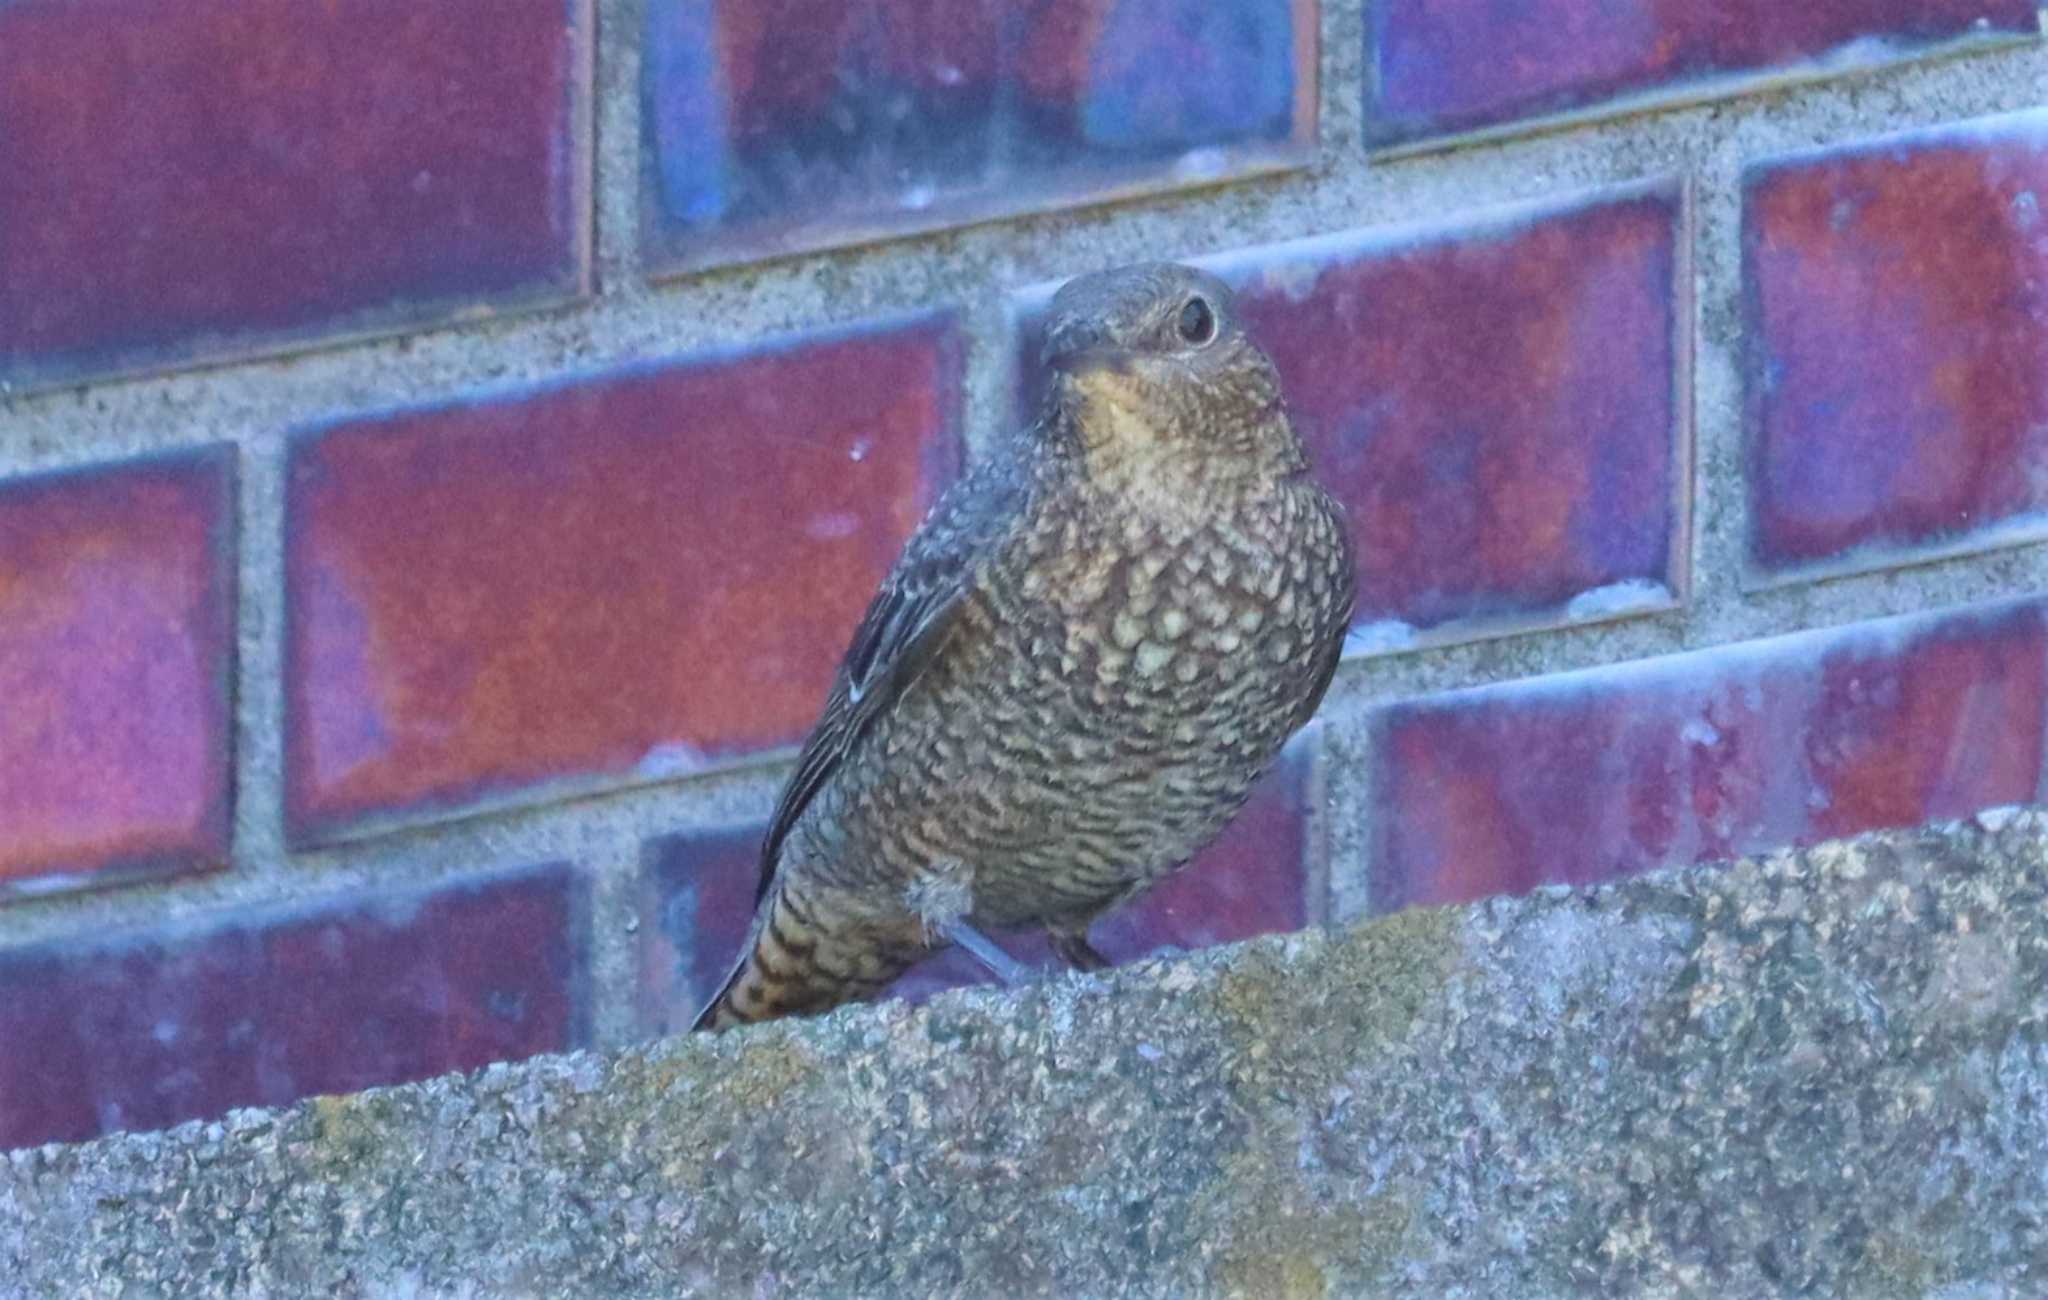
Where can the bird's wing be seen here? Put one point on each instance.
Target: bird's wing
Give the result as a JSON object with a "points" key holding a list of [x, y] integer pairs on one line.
{"points": [[1326, 672], [905, 628], [1333, 653]]}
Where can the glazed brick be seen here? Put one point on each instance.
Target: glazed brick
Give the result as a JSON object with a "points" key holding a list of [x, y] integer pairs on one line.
{"points": [[1501, 403], [117, 653], [774, 126], [696, 899], [262, 1008], [191, 179], [1258, 877], [1442, 68], [625, 577], [1897, 362], [1588, 776]]}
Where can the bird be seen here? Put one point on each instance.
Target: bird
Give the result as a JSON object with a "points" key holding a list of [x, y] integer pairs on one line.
{"points": [[1091, 648]]}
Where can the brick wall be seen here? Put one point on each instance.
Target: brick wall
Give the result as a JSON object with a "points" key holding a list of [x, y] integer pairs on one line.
{"points": [[444, 447]]}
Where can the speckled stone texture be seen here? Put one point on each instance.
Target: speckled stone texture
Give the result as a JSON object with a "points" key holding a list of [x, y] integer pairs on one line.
{"points": [[1817, 1073]]}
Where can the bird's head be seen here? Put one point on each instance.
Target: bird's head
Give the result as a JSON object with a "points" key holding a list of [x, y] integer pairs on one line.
{"points": [[1150, 366]]}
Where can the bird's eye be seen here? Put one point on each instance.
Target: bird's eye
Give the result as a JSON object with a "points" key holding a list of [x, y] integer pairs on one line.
{"points": [[1197, 322]]}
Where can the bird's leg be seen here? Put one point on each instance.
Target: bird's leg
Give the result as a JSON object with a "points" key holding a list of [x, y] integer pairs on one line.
{"points": [[942, 897], [1073, 948], [1007, 970]]}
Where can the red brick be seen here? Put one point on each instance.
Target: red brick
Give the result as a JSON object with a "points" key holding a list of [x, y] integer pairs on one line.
{"points": [[774, 126], [697, 898], [1501, 403], [1445, 67], [262, 1008], [117, 649], [1592, 775], [184, 179], [1897, 367], [621, 578]]}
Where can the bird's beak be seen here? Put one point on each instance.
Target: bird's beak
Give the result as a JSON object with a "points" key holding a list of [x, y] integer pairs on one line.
{"points": [[1095, 359], [1077, 345]]}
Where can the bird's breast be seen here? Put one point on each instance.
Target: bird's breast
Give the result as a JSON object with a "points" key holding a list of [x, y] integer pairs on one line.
{"points": [[1178, 637]]}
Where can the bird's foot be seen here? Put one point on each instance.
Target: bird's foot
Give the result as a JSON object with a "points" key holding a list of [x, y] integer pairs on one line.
{"points": [[1073, 948]]}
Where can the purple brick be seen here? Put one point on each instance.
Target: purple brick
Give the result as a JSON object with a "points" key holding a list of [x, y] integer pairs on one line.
{"points": [[1897, 367], [775, 126], [1446, 68], [1502, 403], [617, 579], [117, 649], [1589, 776], [262, 1008], [697, 898], [696, 901], [193, 179]]}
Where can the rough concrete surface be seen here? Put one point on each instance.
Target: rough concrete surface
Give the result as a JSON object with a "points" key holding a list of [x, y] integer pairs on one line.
{"points": [[1821, 1073]]}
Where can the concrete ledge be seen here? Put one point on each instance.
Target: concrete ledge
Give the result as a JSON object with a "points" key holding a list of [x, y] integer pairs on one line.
{"points": [[1816, 1073]]}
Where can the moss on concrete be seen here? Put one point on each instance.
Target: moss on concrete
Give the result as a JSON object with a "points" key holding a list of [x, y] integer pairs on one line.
{"points": [[1819, 1073]]}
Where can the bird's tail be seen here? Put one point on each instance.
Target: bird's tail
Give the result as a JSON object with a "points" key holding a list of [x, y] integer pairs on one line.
{"points": [[805, 957]]}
